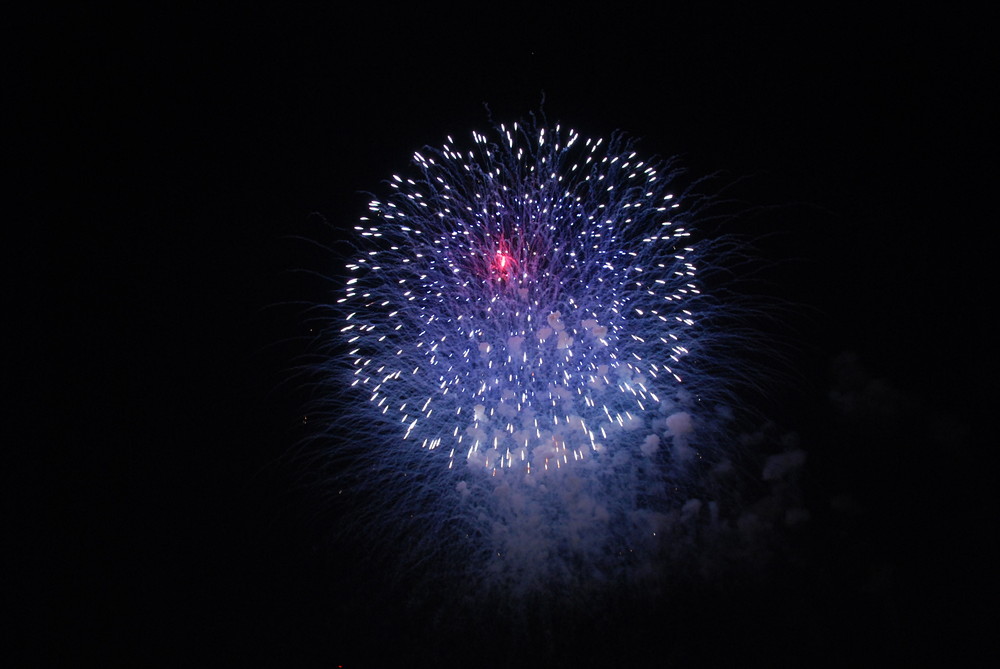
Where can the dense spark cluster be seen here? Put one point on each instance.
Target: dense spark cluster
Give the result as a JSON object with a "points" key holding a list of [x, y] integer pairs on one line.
{"points": [[519, 317]]}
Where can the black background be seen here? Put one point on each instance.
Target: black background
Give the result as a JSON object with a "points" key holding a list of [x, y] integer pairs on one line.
{"points": [[164, 160]]}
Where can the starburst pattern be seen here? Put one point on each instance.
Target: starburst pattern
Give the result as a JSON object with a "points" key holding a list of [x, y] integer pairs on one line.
{"points": [[519, 320], [524, 304]]}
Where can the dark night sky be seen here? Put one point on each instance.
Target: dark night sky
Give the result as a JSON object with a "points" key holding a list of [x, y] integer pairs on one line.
{"points": [[166, 159]]}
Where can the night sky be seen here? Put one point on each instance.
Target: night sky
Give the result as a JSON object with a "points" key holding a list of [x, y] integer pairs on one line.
{"points": [[162, 510]]}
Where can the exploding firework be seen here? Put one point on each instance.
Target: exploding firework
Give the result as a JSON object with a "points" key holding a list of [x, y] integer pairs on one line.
{"points": [[523, 323]]}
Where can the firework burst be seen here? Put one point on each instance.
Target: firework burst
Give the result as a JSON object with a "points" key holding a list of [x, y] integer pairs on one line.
{"points": [[523, 321]]}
